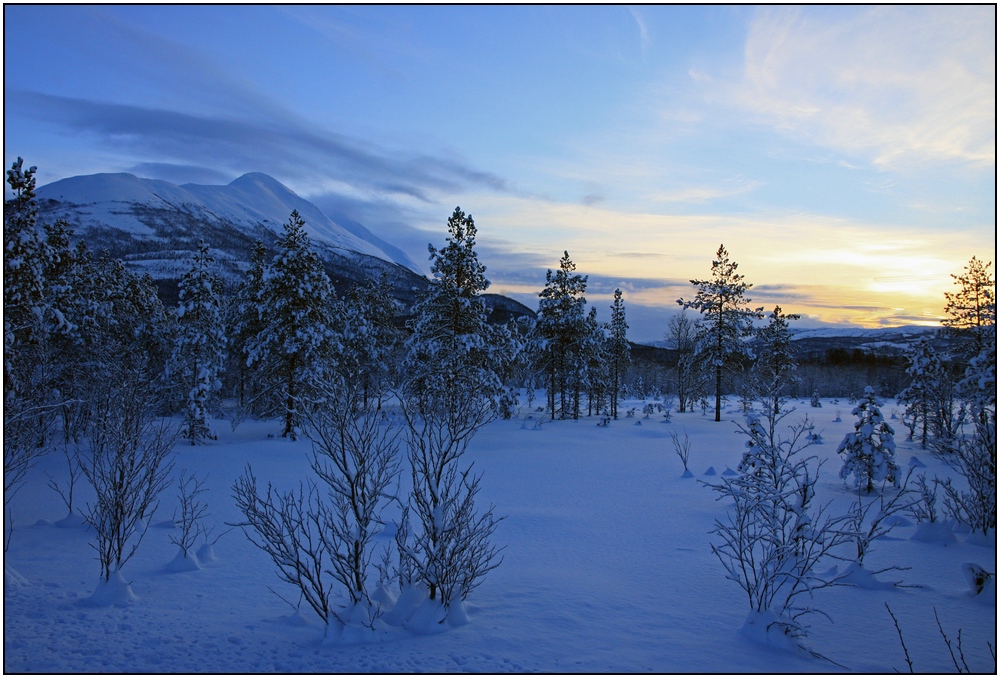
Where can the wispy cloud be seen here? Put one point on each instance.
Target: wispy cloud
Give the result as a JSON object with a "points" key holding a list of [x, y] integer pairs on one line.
{"points": [[644, 40], [705, 194], [896, 85], [291, 151]]}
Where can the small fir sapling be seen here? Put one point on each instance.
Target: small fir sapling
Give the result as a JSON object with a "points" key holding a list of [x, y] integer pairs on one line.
{"points": [[815, 401], [870, 451]]}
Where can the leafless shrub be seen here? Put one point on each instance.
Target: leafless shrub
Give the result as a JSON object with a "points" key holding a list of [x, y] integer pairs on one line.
{"points": [[681, 449], [193, 511], [128, 468], [774, 538]]}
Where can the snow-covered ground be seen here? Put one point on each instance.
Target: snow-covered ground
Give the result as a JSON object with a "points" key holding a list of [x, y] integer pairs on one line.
{"points": [[607, 568]]}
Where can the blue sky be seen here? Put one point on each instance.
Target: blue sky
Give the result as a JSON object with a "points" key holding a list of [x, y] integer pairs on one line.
{"points": [[846, 156]]}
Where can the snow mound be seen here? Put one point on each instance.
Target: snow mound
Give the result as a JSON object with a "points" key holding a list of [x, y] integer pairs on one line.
{"points": [[916, 463], [113, 592], [71, 520], [934, 533], [710, 471], [856, 575], [977, 578], [766, 628], [206, 554], [429, 618], [183, 562], [13, 579]]}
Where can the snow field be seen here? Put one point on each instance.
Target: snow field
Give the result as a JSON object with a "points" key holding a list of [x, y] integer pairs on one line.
{"points": [[607, 568]]}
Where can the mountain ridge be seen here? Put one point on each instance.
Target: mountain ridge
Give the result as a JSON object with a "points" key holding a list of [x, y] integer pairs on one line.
{"points": [[155, 226]]}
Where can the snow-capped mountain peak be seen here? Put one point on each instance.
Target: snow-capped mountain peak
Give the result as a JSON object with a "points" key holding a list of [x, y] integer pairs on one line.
{"points": [[145, 208]]}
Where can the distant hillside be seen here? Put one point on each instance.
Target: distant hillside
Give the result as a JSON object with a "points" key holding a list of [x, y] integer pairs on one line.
{"points": [[155, 226]]}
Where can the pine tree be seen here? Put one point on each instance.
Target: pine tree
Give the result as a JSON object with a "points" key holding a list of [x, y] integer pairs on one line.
{"points": [[199, 346], [775, 365], [244, 324], [930, 395], [370, 341], [870, 452], [452, 387], [297, 336], [24, 263], [559, 331], [972, 310], [618, 349], [721, 301], [595, 355]]}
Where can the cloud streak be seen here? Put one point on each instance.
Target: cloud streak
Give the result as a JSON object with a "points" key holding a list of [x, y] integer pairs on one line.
{"points": [[289, 151]]}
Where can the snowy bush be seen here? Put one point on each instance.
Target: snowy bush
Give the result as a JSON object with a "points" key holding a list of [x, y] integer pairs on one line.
{"points": [[773, 539]]}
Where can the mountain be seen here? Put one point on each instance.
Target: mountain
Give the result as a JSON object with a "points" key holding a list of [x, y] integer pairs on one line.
{"points": [[884, 340], [155, 226]]}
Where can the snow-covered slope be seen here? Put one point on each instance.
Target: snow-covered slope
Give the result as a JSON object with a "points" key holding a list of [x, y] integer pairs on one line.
{"points": [[143, 207]]}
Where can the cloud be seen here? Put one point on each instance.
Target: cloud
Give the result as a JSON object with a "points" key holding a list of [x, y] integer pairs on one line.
{"points": [[180, 174], [291, 151], [705, 194], [896, 85], [644, 41]]}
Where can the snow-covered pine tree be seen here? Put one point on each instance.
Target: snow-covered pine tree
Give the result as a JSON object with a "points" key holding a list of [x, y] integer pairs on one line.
{"points": [[775, 364], [243, 325], [559, 329], [727, 320], [199, 346], [870, 452], [297, 336], [930, 395], [370, 342], [972, 310], [27, 411], [596, 357], [451, 387], [24, 302], [618, 350]]}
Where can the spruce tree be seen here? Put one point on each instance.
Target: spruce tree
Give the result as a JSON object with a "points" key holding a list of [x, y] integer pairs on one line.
{"points": [[870, 452], [297, 335], [619, 349], [727, 320], [559, 331], [243, 325], [199, 346], [775, 365], [451, 387], [929, 397]]}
